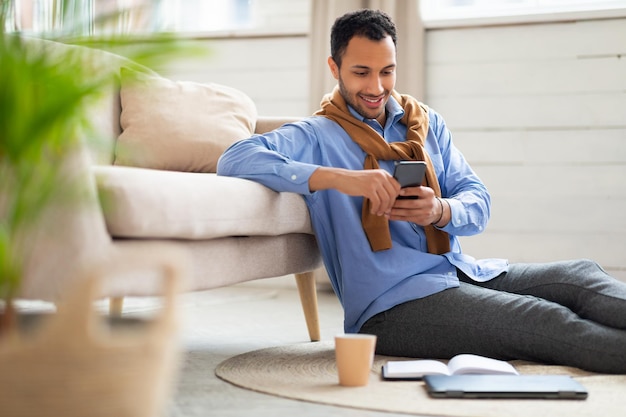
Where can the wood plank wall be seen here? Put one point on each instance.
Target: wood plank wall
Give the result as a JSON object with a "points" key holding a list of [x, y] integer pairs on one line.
{"points": [[539, 110], [273, 71]]}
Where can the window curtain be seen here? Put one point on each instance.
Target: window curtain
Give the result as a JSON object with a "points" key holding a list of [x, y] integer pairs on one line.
{"points": [[86, 17], [50, 16], [410, 30]]}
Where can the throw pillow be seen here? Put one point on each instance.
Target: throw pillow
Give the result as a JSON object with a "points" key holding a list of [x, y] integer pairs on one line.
{"points": [[179, 125]]}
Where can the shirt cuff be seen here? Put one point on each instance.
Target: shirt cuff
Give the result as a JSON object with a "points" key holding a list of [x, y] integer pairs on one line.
{"points": [[457, 215], [296, 176]]}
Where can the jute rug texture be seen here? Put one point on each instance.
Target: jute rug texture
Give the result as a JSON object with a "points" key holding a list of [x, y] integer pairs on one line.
{"points": [[307, 372]]}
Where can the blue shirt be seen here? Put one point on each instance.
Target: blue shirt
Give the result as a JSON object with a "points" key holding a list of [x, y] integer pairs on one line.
{"points": [[368, 282]]}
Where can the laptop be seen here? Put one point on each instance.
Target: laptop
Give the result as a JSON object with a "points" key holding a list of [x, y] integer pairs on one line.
{"points": [[504, 386]]}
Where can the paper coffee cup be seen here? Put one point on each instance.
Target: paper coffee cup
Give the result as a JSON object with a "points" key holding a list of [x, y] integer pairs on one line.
{"points": [[354, 354]]}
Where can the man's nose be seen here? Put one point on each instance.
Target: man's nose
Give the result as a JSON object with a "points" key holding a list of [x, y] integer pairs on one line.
{"points": [[375, 85]]}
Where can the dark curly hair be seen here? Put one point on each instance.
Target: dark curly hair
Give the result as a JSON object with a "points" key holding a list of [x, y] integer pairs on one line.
{"points": [[372, 24]]}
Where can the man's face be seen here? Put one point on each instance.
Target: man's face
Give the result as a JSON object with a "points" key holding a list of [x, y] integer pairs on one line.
{"points": [[367, 75]]}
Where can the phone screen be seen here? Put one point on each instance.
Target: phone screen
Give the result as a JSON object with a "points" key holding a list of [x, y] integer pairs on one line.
{"points": [[410, 173]]}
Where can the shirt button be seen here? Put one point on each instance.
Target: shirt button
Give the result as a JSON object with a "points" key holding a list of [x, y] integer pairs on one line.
{"points": [[294, 177]]}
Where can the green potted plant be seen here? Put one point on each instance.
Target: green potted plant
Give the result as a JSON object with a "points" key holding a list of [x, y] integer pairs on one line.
{"points": [[44, 123], [43, 91], [41, 102]]}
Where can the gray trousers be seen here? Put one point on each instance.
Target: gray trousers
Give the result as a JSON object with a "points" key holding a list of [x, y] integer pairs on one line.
{"points": [[567, 313]]}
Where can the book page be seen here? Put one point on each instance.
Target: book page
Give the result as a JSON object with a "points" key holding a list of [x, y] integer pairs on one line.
{"points": [[474, 364], [415, 369]]}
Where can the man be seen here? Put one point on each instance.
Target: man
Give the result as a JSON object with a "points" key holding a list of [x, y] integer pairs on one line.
{"points": [[396, 264]]}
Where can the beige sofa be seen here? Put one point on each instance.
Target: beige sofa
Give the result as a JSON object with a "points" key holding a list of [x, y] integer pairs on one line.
{"points": [[152, 182]]}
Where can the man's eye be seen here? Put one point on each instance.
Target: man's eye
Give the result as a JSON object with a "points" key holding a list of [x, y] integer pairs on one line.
{"points": [[360, 74]]}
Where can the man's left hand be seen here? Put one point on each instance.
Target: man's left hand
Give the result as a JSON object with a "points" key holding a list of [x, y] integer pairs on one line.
{"points": [[424, 210]]}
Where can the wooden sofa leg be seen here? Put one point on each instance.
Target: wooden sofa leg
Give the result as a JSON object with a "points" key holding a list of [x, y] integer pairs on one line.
{"points": [[116, 305], [308, 298]]}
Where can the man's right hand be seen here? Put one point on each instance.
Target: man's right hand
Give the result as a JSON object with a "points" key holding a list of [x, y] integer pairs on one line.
{"points": [[375, 184]]}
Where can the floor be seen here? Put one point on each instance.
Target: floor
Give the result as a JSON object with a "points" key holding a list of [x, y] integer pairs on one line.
{"points": [[221, 323], [224, 322]]}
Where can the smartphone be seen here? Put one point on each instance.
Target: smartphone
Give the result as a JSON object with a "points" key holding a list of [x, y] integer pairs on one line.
{"points": [[409, 174]]}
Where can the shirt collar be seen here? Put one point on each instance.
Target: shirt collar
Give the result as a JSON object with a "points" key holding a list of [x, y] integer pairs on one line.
{"points": [[393, 109]]}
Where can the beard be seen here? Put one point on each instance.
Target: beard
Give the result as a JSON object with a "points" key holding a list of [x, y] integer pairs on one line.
{"points": [[352, 99]]}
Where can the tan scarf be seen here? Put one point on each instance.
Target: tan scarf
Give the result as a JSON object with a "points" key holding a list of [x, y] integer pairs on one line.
{"points": [[416, 119]]}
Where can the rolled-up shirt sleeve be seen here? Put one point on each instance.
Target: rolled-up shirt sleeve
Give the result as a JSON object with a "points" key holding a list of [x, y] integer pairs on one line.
{"points": [[468, 197], [264, 159]]}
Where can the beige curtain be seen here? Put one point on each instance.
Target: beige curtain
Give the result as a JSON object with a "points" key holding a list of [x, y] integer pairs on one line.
{"points": [[405, 13]]}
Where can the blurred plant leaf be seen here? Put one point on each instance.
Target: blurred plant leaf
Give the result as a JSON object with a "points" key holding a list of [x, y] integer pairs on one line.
{"points": [[43, 116]]}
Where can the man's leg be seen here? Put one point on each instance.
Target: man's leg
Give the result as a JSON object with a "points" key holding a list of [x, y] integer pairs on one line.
{"points": [[472, 319], [580, 285]]}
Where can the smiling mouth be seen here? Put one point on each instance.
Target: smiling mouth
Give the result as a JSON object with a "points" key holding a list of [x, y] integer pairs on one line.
{"points": [[372, 101]]}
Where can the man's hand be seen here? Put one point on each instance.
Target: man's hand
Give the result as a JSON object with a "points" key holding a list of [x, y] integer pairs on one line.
{"points": [[426, 209], [375, 184]]}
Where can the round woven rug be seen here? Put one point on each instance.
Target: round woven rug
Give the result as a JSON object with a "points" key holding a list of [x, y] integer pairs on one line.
{"points": [[307, 372]]}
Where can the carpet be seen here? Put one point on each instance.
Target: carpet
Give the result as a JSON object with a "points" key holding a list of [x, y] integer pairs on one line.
{"points": [[307, 372]]}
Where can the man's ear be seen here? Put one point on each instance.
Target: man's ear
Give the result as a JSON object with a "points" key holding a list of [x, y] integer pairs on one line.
{"points": [[334, 69]]}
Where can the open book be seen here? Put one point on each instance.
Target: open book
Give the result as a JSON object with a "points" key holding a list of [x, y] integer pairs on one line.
{"points": [[458, 365]]}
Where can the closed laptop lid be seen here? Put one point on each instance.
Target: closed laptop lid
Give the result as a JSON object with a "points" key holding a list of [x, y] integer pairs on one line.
{"points": [[504, 386]]}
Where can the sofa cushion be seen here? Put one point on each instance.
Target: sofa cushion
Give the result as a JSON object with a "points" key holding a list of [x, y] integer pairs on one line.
{"points": [[179, 125], [145, 203]]}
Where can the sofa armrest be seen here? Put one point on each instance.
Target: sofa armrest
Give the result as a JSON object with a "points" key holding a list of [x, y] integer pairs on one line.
{"points": [[266, 124]]}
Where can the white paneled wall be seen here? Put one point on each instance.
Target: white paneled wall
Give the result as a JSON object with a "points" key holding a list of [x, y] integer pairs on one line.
{"points": [[273, 71], [539, 110]]}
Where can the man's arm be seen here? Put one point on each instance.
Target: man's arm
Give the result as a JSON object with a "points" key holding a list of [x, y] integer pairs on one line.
{"points": [[280, 159], [285, 160], [467, 203], [375, 184], [425, 210], [465, 207]]}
